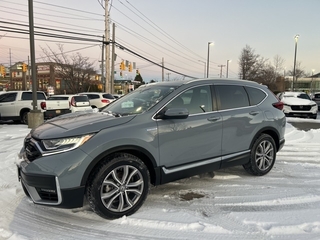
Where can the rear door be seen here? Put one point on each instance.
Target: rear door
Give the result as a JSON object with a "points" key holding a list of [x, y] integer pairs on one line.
{"points": [[241, 118]]}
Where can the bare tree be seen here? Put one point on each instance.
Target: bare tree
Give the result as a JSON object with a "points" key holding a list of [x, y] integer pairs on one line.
{"points": [[299, 71], [251, 65], [278, 64], [76, 70]]}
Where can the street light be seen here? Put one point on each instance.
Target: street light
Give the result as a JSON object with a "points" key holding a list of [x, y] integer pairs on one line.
{"points": [[209, 43], [204, 67], [295, 59], [228, 67]]}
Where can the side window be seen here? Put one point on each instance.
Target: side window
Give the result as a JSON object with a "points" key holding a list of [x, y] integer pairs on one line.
{"points": [[26, 96], [231, 96], [8, 97], [196, 100], [93, 96], [255, 95]]}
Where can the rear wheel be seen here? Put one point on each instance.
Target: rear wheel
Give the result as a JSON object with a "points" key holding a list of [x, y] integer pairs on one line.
{"points": [[118, 187], [263, 156]]}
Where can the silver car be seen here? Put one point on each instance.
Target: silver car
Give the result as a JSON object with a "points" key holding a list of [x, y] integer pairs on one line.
{"points": [[156, 134]]}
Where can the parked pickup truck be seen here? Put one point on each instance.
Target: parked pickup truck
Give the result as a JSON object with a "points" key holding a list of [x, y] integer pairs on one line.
{"points": [[77, 103], [53, 108], [316, 98], [15, 105]]}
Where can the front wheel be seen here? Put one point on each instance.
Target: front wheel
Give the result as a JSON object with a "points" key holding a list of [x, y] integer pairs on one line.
{"points": [[118, 187], [263, 156], [24, 117]]}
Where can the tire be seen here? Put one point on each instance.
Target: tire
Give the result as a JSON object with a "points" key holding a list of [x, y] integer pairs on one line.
{"points": [[263, 156], [118, 187], [24, 117]]}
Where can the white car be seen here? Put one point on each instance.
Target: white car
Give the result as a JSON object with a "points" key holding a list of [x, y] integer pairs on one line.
{"points": [[298, 104], [99, 99], [77, 103]]}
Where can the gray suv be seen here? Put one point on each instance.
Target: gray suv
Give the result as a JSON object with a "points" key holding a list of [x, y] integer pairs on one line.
{"points": [[159, 133]]}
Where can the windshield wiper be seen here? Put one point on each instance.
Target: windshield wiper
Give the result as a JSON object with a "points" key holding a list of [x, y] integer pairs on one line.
{"points": [[114, 114]]}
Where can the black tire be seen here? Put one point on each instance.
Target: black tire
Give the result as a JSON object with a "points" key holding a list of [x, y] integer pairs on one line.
{"points": [[24, 117], [263, 156], [118, 187]]}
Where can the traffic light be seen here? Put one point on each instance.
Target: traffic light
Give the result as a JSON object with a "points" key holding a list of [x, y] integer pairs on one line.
{"points": [[3, 71], [24, 67], [122, 66], [130, 67], [137, 72]]}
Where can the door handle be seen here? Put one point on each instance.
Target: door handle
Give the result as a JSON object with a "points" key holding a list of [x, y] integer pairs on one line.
{"points": [[254, 113], [213, 119]]}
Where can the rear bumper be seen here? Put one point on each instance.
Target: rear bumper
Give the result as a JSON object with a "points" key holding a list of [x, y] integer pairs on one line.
{"points": [[54, 113]]}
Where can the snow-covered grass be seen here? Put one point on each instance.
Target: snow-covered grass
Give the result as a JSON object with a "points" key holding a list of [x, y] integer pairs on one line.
{"points": [[284, 204]]}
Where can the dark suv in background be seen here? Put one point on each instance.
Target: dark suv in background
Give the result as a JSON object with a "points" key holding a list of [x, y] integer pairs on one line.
{"points": [[159, 133]]}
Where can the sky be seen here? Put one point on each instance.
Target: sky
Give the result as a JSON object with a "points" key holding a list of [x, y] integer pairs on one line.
{"points": [[232, 205], [176, 32]]}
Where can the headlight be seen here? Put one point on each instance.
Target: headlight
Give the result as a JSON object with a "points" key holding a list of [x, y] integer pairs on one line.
{"points": [[53, 146]]}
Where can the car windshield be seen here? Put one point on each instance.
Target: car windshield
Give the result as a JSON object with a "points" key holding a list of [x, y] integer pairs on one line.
{"points": [[138, 101], [304, 96]]}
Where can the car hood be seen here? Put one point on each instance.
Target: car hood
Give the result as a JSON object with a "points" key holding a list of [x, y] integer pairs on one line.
{"points": [[297, 101], [79, 123]]}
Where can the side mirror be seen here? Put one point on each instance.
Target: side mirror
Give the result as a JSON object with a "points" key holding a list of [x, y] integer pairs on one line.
{"points": [[176, 113]]}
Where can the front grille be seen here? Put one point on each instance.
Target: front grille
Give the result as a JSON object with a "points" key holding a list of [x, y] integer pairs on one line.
{"points": [[32, 151], [301, 107]]}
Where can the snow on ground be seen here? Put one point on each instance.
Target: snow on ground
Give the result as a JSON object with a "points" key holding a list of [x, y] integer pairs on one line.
{"points": [[284, 204]]}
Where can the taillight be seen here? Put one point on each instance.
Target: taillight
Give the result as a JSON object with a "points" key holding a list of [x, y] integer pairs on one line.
{"points": [[73, 102], [105, 101], [278, 105], [43, 105]]}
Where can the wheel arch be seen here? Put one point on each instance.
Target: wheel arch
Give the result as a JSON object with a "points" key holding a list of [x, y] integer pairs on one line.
{"points": [[271, 132], [137, 151]]}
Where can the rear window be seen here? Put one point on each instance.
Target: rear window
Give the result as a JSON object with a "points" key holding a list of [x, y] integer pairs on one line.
{"points": [[57, 98], [317, 95], [107, 95], [82, 98]]}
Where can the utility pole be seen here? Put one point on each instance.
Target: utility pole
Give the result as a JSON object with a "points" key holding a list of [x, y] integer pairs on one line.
{"points": [[107, 60], [113, 56], [102, 66], [221, 66], [29, 74], [35, 116], [162, 69], [10, 71], [168, 76]]}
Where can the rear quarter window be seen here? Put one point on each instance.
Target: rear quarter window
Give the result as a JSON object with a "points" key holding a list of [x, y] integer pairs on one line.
{"points": [[255, 95]]}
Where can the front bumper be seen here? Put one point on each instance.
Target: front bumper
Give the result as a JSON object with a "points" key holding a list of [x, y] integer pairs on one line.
{"points": [[46, 190]]}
